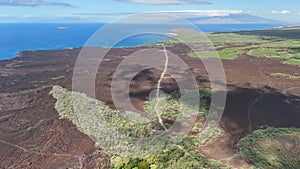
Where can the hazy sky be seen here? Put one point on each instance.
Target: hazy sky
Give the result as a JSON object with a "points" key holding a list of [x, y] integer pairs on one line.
{"points": [[108, 10]]}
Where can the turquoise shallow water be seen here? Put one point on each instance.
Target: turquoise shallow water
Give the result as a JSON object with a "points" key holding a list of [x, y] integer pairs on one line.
{"points": [[16, 37]]}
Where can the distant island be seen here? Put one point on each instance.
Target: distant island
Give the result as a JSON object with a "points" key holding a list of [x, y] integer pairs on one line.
{"points": [[233, 19], [63, 27]]}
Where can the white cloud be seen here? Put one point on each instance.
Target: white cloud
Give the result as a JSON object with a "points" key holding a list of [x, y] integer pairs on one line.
{"points": [[32, 3], [283, 12], [209, 13], [167, 2]]}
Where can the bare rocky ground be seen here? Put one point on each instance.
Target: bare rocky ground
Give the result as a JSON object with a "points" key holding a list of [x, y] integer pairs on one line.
{"points": [[33, 136]]}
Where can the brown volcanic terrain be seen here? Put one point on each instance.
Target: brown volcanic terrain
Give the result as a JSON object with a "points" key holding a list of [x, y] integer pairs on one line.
{"points": [[33, 136]]}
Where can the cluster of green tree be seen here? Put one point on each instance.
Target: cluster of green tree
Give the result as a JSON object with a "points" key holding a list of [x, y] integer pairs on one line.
{"points": [[125, 135], [177, 156], [272, 148], [114, 131], [172, 104]]}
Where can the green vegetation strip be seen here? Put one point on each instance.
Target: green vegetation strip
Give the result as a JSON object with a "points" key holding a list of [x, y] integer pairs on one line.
{"points": [[268, 52], [116, 132], [291, 56], [227, 53], [272, 148], [274, 43], [285, 75]]}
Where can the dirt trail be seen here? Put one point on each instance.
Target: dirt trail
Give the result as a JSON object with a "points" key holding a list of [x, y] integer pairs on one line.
{"points": [[158, 113]]}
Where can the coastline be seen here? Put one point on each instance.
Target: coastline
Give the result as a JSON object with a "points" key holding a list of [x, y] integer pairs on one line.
{"points": [[217, 28], [28, 116]]}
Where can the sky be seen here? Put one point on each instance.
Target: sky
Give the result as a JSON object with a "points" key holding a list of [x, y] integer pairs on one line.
{"points": [[104, 11]]}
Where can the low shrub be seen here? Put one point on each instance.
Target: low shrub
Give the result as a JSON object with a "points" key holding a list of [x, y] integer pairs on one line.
{"points": [[272, 148]]}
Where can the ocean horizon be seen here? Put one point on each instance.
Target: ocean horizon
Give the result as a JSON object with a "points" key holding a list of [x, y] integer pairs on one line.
{"points": [[16, 37]]}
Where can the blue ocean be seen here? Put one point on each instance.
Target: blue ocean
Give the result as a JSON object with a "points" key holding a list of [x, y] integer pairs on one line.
{"points": [[17, 37]]}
